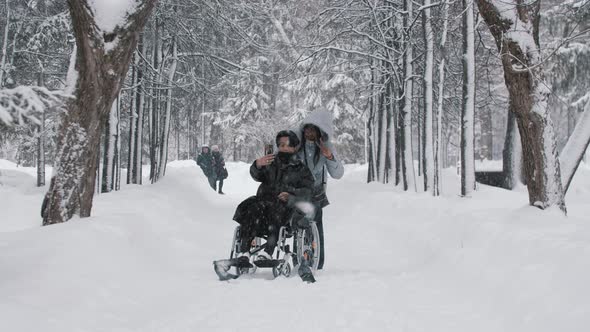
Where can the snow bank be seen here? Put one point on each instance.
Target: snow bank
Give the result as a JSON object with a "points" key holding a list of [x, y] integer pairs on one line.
{"points": [[395, 261], [20, 199]]}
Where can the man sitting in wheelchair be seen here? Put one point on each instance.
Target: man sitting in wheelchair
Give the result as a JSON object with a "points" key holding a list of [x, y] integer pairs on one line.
{"points": [[285, 183]]}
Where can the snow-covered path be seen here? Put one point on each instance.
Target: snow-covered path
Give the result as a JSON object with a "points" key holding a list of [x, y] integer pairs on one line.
{"points": [[395, 262]]}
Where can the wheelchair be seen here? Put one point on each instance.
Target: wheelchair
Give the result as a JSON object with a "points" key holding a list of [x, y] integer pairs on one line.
{"points": [[298, 243]]}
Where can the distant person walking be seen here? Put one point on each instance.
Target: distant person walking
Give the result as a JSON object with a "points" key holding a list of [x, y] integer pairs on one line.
{"points": [[219, 170], [206, 162]]}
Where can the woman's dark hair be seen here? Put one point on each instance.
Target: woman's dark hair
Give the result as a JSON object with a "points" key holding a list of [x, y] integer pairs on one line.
{"points": [[316, 157], [314, 127], [293, 139]]}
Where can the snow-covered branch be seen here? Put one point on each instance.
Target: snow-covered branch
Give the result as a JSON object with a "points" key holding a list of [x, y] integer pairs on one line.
{"points": [[25, 103]]}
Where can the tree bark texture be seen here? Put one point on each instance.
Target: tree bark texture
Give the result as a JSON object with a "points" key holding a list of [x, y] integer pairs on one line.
{"points": [[515, 27], [101, 72], [427, 144], [408, 159], [468, 107], [438, 162]]}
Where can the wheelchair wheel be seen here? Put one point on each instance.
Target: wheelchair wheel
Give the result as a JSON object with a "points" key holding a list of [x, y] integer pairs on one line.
{"points": [[308, 245], [285, 268]]}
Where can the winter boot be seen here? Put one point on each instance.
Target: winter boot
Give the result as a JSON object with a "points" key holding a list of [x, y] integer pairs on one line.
{"points": [[306, 274]]}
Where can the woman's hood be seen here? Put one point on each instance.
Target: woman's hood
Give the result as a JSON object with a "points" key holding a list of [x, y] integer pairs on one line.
{"points": [[320, 119]]}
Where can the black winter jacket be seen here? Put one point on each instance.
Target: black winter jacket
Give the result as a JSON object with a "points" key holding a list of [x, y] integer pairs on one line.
{"points": [[205, 160], [218, 164], [290, 176]]}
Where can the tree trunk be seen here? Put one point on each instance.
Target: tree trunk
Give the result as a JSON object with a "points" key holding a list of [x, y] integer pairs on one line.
{"points": [[391, 143], [528, 94], [427, 149], [191, 135], [166, 127], [155, 104], [512, 154], [177, 135], [419, 133], [101, 70], [138, 140], [382, 138], [150, 127], [372, 156], [117, 162], [155, 109], [98, 175], [5, 44], [468, 108], [108, 163], [409, 174], [437, 183], [41, 144], [399, 138], [203, 124], [132, 121]]}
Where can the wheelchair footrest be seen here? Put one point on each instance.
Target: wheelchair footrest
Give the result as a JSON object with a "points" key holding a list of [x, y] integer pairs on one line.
{"points": [[268, 263], [243, 263]]}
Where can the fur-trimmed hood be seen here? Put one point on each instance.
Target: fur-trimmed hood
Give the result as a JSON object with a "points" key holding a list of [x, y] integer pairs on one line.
{"points": [[322, 120]]}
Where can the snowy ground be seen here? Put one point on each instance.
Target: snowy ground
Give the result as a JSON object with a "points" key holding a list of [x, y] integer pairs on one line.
{"points": [[395, 261]]}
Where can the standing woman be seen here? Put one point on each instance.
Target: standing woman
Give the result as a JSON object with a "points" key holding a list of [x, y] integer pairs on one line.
{"points": [[205, 161], [218, 169], [319, 155]]}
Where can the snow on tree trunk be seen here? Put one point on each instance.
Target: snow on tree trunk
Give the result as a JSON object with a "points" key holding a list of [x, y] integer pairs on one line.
{"points": [[401, 136], [407, 111], [437, 183], [177, 136], [419, 136], [5, 45], [575, 148], [512, 154], [132, 121], [391, 153], [109, 150], [106, 37], [372, 155], [192, 134], [382, 139], [117, 164], [371, 173], [138, 147], [41, 144], [166, 129], [468, 106], [98, 176], [138, 141], [428, 153], [155, 104], [41, 153], [515, 27]]}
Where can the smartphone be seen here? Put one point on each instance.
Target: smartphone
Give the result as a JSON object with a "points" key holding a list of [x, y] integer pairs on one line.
{"points": [[268, 149]]}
